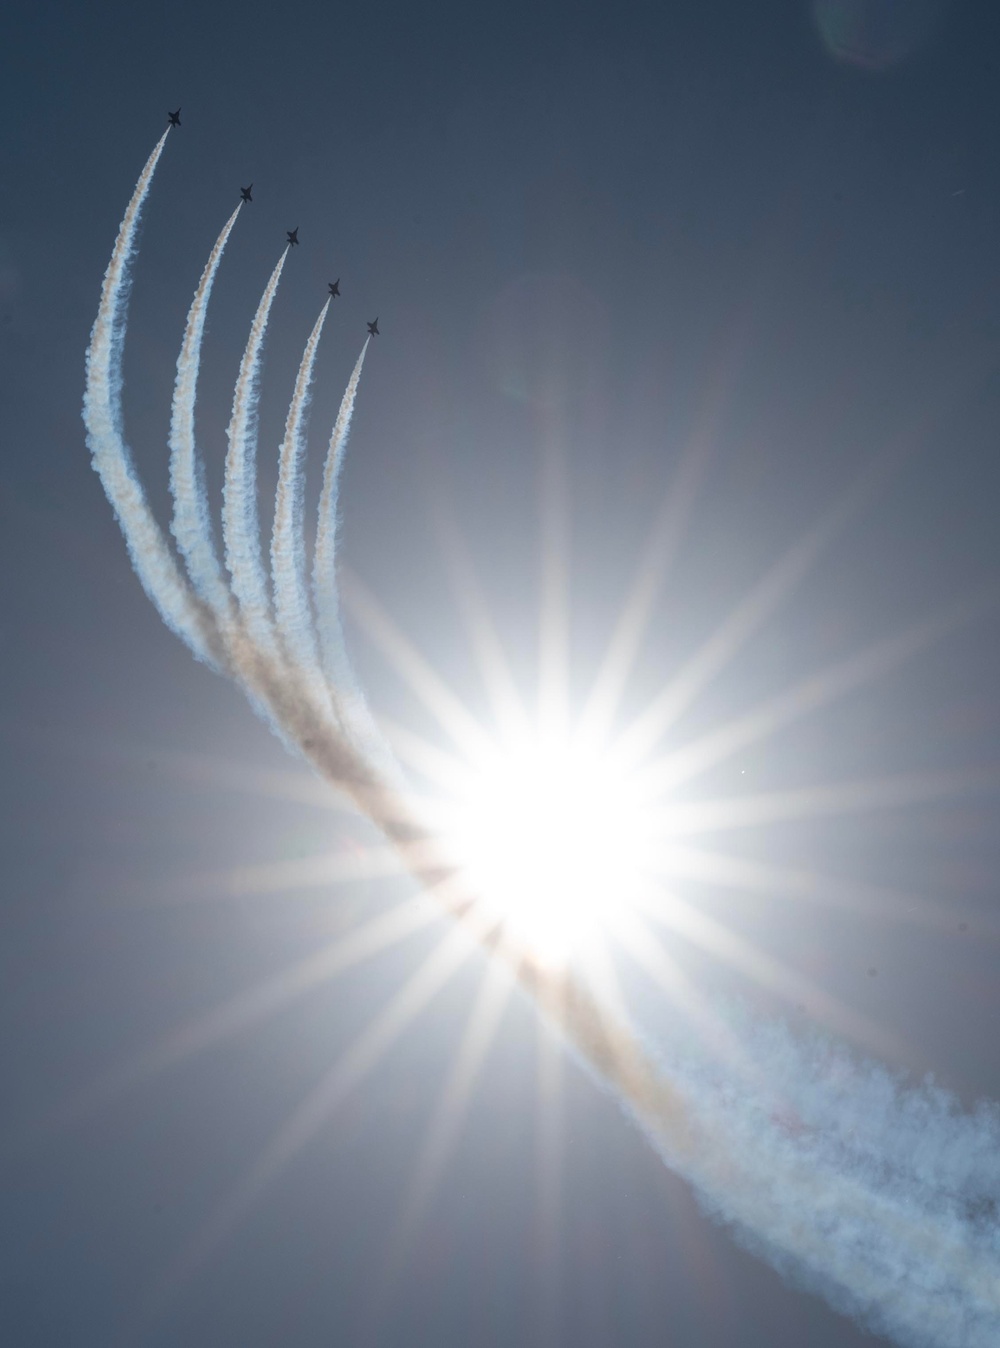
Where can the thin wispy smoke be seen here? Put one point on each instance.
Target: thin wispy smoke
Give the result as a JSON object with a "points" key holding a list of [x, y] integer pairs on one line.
{"points": [[240, 527], [288, 548], [355, 717], [111, 457], [884, 1198], [191, 525], [324, 564]]}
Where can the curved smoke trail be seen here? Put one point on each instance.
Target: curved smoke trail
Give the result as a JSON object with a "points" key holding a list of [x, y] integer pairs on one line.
{"points": [[288, 548], [191, 525], [881, 1197], [884, 1198], [240, 528], [355, 717], [102, 416], [324, 558]]}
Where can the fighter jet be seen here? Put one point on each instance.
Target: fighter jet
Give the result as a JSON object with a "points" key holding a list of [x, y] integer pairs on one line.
{"points": [[293, 235], [175, 117], [334, 286], [373, 328], [245, 193]]}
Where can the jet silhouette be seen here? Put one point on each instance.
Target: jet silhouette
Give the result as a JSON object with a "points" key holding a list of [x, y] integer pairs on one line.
{"points": [[293, 234], [175, 117], [373, 328], [334, 286], [245, 193]]}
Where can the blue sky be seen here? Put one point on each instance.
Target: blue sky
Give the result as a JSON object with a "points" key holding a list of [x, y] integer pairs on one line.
{"points": [[595, 236]]}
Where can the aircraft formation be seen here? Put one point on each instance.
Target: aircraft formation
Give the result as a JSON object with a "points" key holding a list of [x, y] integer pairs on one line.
{"points": [[246, 198]]}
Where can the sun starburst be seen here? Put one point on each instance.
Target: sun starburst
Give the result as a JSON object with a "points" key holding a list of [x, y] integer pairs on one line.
{"points": [[550, 846], [553, 836]]}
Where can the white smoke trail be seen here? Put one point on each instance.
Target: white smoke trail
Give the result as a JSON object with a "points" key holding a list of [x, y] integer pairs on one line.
{"points": [[884, 1199], [352, 707], [324, 559], [191, 524], [254, 666], [111, 457], [275, 691], [240, 528], [288, 554]]}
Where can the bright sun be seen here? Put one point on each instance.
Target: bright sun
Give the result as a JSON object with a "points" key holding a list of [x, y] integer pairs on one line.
{"points": [[553, 837]]}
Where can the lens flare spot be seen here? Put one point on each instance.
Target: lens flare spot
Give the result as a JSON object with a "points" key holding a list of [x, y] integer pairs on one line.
{"points": [[876, 34]]}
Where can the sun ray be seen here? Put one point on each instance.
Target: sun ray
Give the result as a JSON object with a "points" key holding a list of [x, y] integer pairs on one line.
{"points": [[293, 785], [449, 711], [442, 1132], [246, 1009], [375, 936], [602, 976], [775, 586], [661, 548], [807, 886], [808, 695], [549, 1163], [769, 973], [437, 765], [505, 701], [315, 1111], [297, 787], [282, 877], [553, 617], [812, 802], [638, 942]]}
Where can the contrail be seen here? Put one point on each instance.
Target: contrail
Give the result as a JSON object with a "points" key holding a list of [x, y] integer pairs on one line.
{"points": [[357, 721], [324, 563], [111, 457], [191, 525], [288, 549], [882, 1197], [240, 528]]}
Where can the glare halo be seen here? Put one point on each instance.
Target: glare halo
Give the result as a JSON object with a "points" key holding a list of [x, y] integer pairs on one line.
{"points": [[554, 836]]}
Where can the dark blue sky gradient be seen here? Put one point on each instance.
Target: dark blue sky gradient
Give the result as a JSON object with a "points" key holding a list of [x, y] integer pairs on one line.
{"points": [[594, 230]]}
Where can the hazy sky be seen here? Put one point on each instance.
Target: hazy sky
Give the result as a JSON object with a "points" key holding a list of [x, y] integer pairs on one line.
{"points": [[595, 236]]}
